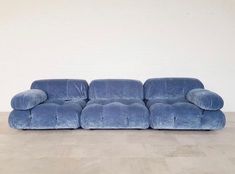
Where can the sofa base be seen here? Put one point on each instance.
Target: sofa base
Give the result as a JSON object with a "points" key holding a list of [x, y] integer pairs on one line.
{"points": [[185, 117], [115, 116], [46, 116]]}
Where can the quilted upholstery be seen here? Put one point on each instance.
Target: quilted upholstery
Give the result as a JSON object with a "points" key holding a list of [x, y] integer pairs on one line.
{"points": [[170, 109], [115, 115], [169, 88], [162, 103], [47, 116], [115, 104], [81, 102], [121, 101], [116, 89], [63, 89], [184, 116], [205, 99], [149, 103], [28, 99], [60, 109]]}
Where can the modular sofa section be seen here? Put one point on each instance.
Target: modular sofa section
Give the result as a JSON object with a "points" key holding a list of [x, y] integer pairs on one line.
{"points": [[115, 115], [170, 108], [115, 104], [185, 116], [47, 116], [62, 108]]}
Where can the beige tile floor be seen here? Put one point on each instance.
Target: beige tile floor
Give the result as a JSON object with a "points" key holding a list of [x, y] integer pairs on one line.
{"points": [[117, 151]]}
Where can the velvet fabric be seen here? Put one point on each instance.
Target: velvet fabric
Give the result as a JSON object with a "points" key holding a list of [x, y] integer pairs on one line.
{"points": [[115, 115], [185, 116], [63, 89], [28, 99], [121, 101], [81, 102], [170, 88], [61, 109], [149, 103], [116, 89], [170, 109], [162, 103], [205, 99], [47, 116], [115, 104]]}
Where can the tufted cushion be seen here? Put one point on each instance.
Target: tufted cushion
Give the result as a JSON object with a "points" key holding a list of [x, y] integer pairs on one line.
{"points": [[122, 101], [115, 115], [213, 120], [184, 116], [169, 88], [63, 89], [205, 99], [19, 119], [178, 115], [28, 99], [116, 89], [47, 116], [80, 102], [149, 103]]}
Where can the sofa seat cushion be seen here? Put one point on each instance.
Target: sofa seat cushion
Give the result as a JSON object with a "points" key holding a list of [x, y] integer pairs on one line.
{"points": [[80, 102], [149, 103], [115, 115], [122, 101], [184, 115], [47, 116]]}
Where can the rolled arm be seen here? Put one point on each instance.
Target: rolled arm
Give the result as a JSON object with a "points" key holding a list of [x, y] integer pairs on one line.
{"points": [[28, 99], [205, 99]]}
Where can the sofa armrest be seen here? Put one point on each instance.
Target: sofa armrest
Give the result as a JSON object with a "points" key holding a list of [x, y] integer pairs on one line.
{"points": [[28, 99], [205, 99]]}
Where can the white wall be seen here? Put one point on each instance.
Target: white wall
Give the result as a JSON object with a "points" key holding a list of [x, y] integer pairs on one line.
{"points": [[139, 39]]}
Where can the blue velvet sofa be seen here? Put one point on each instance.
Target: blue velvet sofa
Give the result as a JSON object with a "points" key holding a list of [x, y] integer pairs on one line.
{"points": [[49, 104], [161, 103], [115, 104], [183, 103]]}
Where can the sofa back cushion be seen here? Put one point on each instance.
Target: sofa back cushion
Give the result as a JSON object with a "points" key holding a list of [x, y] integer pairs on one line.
{"points": [[116, 89], [62, 89], [170, 88]]}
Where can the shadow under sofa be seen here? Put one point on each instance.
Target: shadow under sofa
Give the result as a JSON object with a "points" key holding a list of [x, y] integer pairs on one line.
{"points": [[161, 103]]}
